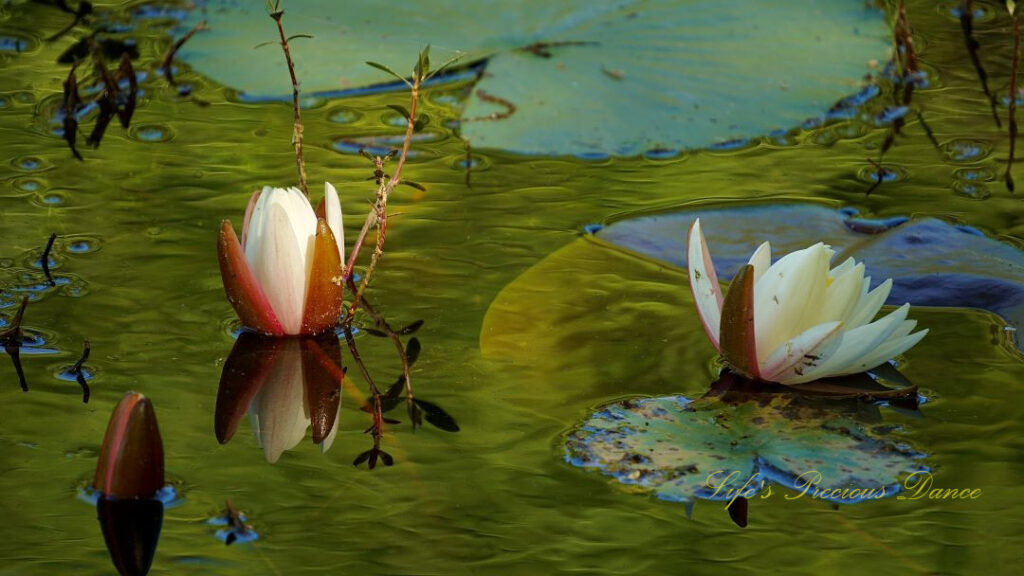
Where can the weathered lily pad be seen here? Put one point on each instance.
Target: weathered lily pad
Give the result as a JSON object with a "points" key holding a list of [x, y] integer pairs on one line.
{"points": [[931, 262], [741, 445], [583, 77]]}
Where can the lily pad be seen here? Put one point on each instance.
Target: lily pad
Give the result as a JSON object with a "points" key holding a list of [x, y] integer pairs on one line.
{"points": [[570, 77], [931, 262], [741, 444]]}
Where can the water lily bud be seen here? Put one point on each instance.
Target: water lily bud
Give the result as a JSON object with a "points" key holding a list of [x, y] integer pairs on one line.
{"points": [[285, 275], [131, 463]]}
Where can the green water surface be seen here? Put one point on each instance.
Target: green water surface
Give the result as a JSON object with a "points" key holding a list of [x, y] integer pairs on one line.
{"points": [[496, 497]]}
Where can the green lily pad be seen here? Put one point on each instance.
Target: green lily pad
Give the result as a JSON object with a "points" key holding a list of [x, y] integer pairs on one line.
{"points": [[741, 445], [574, 77]]}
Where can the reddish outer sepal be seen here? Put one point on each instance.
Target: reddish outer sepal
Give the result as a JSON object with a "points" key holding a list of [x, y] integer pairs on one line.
{"points": [[323, 387], [321, 209], [131, 463], [738, 339], [243, 290], [245, 372], [325, 288]]}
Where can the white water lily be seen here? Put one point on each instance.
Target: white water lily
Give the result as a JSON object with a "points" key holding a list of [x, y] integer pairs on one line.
{"points": [[797, 320], [284, 277]]}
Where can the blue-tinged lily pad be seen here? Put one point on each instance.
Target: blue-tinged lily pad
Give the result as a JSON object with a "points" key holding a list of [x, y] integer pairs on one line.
{"points": [[931, 262], [573, 77], [741, 444]]}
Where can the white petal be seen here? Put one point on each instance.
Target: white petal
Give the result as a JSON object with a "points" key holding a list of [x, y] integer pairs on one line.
{"points": [[843, 294], [280, 267], [869, 305], [846, 265], [257, 223], [858, 343], [795, 356], [889, 349], [789, 297], [761, 260], [334, 220], [704, 283]]}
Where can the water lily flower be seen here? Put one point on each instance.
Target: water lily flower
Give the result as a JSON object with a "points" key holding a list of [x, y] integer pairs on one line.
{"points": [[285, 276], [797, 320]]}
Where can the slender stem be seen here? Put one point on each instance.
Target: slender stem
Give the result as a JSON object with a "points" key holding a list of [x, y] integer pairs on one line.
{"points": [[174, 51], [378, 414], [381, 324], [379, 214], [1012, 113], [297, 124]]}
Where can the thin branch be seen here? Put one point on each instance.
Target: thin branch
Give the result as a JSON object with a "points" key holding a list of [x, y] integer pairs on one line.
{"points": [[297, 124], [379, 212], [381, 324], [45, 259], [77, 371], [166, 66], [1012, 113]]}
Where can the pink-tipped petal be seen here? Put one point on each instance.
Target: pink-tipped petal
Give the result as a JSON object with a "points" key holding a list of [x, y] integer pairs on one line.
{"points": [[325, 287], [704, 284], [248, 216], [240, 284], [739, 345]]}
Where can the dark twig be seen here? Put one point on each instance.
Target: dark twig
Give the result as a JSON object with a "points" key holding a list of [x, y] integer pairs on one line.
{"points": [[297, 124], [967, 26], [84, 9], [72, 102], [11, 339], [77, 371], [1012, 112], [45, 259], [377, 428], [381, 324], [928, 130], [127, 72], [236, 522], [169, 59]]}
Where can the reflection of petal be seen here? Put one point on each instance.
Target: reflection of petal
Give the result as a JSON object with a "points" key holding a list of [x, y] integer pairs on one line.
{"points": [[245, 371], [277, 414], [321, 363], [131, 529], [285, 384]]}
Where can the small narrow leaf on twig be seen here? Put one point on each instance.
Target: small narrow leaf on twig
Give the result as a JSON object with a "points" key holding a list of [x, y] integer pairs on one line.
{"points": [[384, 68], [401, 110]]}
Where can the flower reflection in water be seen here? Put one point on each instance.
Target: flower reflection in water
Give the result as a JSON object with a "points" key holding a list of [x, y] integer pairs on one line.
{"points": [[286, 385]]}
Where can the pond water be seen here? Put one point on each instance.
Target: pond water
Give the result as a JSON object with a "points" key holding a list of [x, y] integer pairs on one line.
{"points": [[529, 326]]}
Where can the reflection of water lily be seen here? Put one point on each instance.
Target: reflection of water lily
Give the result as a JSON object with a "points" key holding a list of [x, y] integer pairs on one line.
{"points": [[797, 320], [285, 385], [284, 277]]}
